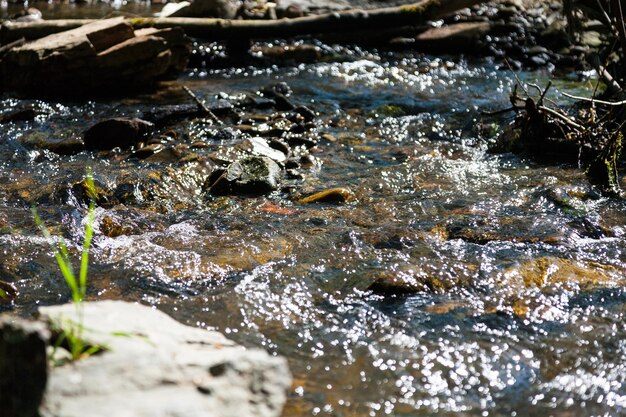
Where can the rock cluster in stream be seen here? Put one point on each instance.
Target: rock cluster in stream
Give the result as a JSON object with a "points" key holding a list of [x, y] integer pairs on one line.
{"points": [[241, 144], [527, 35]]}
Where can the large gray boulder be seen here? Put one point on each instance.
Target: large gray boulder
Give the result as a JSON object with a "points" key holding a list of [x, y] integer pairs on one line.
{"points": [[156, 367]]}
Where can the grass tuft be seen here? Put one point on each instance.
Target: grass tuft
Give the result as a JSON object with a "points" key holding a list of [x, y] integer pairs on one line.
{"points": [[71, 332]]}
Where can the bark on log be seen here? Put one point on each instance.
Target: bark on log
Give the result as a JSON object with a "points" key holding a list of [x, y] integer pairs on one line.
{"points": [[222, 29], [103, 56]]}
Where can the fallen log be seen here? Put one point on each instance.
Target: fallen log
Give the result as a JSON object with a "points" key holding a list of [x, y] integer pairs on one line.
{"points": [[102, 56], [223, 29]]}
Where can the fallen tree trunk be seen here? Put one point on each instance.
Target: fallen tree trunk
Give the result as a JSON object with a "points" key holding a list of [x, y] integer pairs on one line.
{"points": [[222, 29], [102, 56]]}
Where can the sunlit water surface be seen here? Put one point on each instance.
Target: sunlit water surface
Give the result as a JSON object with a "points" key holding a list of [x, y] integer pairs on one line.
{"points": [[518, 267]]}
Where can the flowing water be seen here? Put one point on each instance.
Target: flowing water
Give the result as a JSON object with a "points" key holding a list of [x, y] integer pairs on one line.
{"points": [[504, 277]]}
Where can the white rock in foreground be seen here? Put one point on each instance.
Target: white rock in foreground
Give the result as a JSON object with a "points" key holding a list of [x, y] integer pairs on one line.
{"points": [[161, 368]]}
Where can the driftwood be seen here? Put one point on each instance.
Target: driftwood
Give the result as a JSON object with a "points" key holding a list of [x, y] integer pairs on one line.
{"points": [[100, 56], [222, 29]]}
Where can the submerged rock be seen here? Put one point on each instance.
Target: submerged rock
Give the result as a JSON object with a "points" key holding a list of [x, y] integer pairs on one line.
{"points": [[59, 145], [253, 175], [548, 270], [155, 366], [389, 283], [23, 366]]}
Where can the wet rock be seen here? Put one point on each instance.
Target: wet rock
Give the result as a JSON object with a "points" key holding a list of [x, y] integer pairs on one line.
{"points": [[170, 114], [253, 175], [20, 115], [118, 132], [112, 227], [178, 45], [260, 147], [131, 193], [23, 366], [333, 195], [328, 137], [282, 103], [58, 145], [170, 9], [306, 113], [296, 141], [261, 103], [281, 88], [591, 38], [83, 194], [280, 146], [290, 12], [293, 174], [29, 14], [308, 161], [161, 368], [391, 283], [555, 35], [223, 9], [540, 60], [461, 37], [292, 163], [148, 151], [257, 10]]}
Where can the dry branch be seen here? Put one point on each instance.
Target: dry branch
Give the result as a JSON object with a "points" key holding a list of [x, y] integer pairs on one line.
{"points": [[222, 29]]}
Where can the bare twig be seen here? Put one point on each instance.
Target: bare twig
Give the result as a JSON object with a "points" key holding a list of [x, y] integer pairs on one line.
{"points": [[202, 106], [498, 112], [506, 61], [565, 119], [543, 94], [595, 100]]}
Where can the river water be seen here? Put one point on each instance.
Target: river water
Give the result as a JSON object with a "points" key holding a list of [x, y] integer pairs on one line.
{"points": [[504, 276]]}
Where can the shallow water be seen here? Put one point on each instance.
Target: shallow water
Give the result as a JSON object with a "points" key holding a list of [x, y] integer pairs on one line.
{"points": [[516, 268]]}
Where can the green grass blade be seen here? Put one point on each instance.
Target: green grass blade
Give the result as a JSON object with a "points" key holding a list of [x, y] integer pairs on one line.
{"points": [[84, 261], [61, 255]]}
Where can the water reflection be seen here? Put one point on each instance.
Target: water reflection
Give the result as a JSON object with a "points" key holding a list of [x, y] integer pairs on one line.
{"points": [[500, 280]]}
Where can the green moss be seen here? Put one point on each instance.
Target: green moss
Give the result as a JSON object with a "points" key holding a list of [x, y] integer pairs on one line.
{"points": [[141, 22], [387, 110]]}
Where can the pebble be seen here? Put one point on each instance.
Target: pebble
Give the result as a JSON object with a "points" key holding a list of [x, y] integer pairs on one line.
{"points": [[333, 195], [328, 137]]}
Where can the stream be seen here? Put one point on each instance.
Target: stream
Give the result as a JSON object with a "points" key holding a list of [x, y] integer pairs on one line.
{"points": [[499, 280]]}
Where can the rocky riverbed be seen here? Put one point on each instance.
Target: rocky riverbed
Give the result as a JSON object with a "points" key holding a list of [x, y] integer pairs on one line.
{"points": [[345, 214]]}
